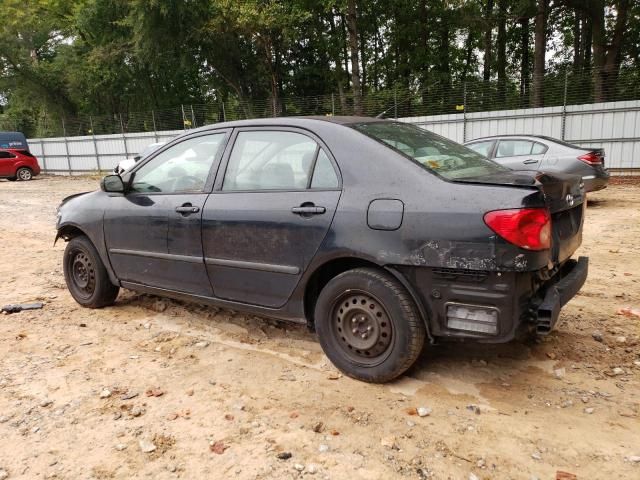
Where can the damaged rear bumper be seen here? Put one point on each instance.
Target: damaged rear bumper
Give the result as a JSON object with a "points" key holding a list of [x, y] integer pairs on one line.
{"points": [[566, 284], [494, 307]]}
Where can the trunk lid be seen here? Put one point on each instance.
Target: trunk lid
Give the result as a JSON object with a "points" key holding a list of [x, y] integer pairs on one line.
{"points": [[564, 196]]}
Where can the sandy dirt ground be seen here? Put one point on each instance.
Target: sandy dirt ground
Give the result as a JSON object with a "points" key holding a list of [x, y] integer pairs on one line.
{"points": [[152, 388]]}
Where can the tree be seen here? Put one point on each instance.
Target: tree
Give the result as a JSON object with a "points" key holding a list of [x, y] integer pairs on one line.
{"points": [[540, 50]]}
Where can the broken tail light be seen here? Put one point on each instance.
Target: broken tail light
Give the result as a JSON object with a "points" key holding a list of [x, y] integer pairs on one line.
{"points": [[528, 228]]}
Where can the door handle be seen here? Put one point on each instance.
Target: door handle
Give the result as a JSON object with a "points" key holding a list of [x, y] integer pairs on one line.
{"points": [[187, 208], [530, 161], [308, 210]]}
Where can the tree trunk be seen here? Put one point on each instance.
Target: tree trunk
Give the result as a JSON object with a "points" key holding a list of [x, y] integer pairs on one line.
{"points": [[502, 51], [363, 59], [345, 40], [540, 47], [488, 14], [598, 35], [423, 74], [577, 42], [352, 29], [335, 50], [525, 65], [614, 52], [586, 42]]}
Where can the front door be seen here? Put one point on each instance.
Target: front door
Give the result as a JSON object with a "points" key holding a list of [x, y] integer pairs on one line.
{"points": [[268, 215], [520, 154], [153, 233], [7, 164]]}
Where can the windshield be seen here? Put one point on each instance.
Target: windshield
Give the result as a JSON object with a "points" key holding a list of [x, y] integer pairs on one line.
{"points": [[435, 153]]}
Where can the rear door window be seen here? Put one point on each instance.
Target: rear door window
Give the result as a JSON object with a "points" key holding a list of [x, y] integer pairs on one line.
{"points": [[538, 148], [270, 160], [483, 148], [514, 148], [324, 175]]}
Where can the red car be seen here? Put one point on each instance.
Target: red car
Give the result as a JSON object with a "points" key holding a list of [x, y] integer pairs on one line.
{"points": [[18, 165]]}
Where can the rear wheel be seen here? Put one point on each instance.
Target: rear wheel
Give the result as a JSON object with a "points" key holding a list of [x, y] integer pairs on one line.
{"points": [[24, 174], [368, 325], [86, 276]]}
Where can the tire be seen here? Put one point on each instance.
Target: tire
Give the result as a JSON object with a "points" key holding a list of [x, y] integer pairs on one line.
{"points": [[368, 325], [24, 174], [86, 276]]}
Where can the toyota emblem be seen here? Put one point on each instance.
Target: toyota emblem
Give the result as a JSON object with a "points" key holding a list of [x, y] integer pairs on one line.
{"points": [[570, 200]]}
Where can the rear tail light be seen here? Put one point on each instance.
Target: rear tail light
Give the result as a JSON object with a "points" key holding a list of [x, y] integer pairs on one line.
{"points": [[528, 228], [591, 158]]}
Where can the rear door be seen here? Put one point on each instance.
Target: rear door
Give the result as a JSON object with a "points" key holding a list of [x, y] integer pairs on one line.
{"points": [[520, 154], [153, 234], [270, 211]]}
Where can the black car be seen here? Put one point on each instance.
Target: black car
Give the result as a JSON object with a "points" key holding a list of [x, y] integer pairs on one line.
{"points": [[378, 234]]}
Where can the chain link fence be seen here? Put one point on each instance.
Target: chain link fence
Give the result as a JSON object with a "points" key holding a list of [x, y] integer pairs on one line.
{"points": [[561, 88]]}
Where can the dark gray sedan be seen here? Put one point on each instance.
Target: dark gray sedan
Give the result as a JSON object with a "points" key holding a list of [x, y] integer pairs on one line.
{"points": [[540, 153], [380, 235]]}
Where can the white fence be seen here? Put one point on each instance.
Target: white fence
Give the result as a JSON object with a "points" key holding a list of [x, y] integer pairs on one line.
{"points": [[614, 126], [90, 154]]}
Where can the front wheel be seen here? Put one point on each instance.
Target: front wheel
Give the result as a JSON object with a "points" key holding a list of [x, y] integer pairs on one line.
{"points": [[24, 174], [86, 276], [368, 325]]}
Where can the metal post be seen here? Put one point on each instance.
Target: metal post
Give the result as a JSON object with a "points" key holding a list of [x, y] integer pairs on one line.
{"points": [[184, 119], [464, 112], [124, 138], [66, 146], [155, 130], [395, 102], [564, 104], [193, 118], [275, 114], [95, 144], [333, 104], [224, 113], [44, 156]]}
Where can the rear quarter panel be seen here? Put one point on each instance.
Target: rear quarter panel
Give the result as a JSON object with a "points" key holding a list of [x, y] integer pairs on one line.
{"points": [[443, 222]]}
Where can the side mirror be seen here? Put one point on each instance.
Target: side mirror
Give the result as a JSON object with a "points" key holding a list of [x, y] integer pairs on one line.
{"points": [[112, 184], [137, 158]]}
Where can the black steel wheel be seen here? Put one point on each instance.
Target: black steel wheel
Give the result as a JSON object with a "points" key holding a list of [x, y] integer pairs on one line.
{"points": [[363, 327], [86, 276], [368, 325]]}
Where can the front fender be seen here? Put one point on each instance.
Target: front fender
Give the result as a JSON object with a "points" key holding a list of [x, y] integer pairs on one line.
{"points": [[83, 214]]}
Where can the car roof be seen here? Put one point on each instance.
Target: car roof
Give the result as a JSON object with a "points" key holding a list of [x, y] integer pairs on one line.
{"points": [[306, 121], [515, 135]]}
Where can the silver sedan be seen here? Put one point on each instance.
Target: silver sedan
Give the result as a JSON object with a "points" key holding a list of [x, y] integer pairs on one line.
{"points": [[537, 152]]}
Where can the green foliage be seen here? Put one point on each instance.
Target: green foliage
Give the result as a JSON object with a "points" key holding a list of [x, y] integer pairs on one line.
{"points": [[61, 59]]}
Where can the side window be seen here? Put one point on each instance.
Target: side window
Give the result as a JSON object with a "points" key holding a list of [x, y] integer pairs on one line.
{"points": [[6, 155], [483, 148], [514, 148], [183, 167], [538, 148], [270, 160], [324, 175]]}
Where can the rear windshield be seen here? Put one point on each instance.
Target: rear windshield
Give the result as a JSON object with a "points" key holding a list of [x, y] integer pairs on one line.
{"points": [[435, 153]]}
